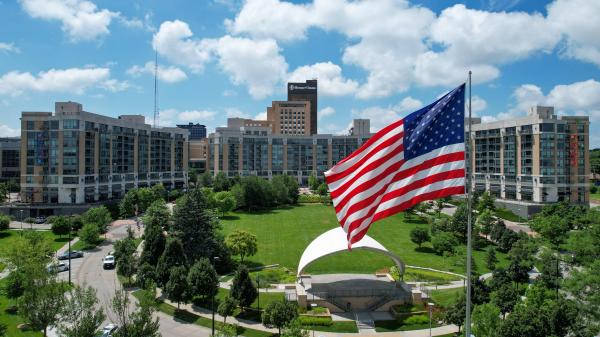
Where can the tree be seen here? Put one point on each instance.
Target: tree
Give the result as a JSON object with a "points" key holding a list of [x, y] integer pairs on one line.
{"points": [[203, 280], [127, 266], [159, 191], [584, 285], [490, 258], [99, 216], [196, 227], [292, 187], [4, 222], [241, 243], [61, 226], [238, 193], [42, 303], [15, 284], [439, 205], [552, 228], [89, 234], [480, 292], [76, 222], [486, 202], [157, 214], [176, 288], [3, 192], [227, 307], [145, 197], [458, 223], [146, 275], [154, 244], [280, 190], [497, 230], [313, 182], [455, 314], [278, 314], [128, 205], [205, 180], [294, 329], [505, 298], [173, 256], [225, 202], [81, 315], [443, 242], [138, 323], [242, 288], [486, 320], [258, 192], [322, 189], [550, 270], [507, 240], [221, 183], [485, 222], [419, 235]]}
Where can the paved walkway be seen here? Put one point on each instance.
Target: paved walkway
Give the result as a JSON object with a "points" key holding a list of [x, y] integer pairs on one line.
{"points": [[26, 225], [513, 226]]}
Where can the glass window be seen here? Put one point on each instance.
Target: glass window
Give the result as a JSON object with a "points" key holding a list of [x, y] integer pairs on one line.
{"points": [[71, 124]]}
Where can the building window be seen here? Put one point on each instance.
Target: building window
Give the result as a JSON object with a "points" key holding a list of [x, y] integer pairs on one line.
{"points": [[71, 124]]}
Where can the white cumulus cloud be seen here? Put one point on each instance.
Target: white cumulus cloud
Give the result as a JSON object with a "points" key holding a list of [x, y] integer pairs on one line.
{"points": [[169, 74], [174, 40], [383, 116], [81, 19], [71, 80], [9, 48], [7, 131], [325, 112], [331, 81]]}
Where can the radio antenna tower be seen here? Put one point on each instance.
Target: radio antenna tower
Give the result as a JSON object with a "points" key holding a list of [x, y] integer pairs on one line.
{"points": [[156, 112]]}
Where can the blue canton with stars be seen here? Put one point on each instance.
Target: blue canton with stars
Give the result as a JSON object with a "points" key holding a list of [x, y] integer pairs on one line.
{"points": [[436, 125]]}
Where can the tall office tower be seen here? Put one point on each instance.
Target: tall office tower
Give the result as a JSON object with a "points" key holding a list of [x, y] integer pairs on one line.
{"points": [[306, 91]]}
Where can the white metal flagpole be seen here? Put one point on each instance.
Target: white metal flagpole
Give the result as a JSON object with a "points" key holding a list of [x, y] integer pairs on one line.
{"points": [[469, 210]]}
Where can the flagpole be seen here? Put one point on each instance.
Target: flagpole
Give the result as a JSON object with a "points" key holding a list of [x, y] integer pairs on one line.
{"points": [[469, 210]]}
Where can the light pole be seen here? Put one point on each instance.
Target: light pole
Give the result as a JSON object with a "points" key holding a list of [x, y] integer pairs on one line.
{"points": [[258, 286], [70, 229], [430, 306], [212, 300], [21, 220]]}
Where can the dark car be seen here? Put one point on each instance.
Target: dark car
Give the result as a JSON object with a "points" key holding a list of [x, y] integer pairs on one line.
{"points": [[74, 254], [40, 220]]}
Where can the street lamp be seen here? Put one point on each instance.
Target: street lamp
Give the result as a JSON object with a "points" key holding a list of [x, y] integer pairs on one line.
{"points": [[430, 307], [21, 220], [258, 286], [70, 229], [212, 300]]}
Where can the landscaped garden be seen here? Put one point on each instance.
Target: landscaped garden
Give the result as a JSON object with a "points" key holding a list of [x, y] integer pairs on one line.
{"points": [[284, 233]]}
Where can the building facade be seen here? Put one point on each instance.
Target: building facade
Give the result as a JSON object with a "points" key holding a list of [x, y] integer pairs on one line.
{"points": [[10, 149], [257, 151], [290, 117], [526, 162], [77, 157], [198, 155], [196, 131], [306, 91]]}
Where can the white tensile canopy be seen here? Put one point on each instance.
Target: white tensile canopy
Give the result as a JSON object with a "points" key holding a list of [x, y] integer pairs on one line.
{"points": [[334, 241]]}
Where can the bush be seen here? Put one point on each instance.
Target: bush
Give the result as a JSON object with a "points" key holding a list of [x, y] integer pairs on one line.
{"points": [[29, 219], [309, 198], [50, 219], [443, 242], [90, 234], [315, 321], [593, 189], [4, 222], [417, 319]]}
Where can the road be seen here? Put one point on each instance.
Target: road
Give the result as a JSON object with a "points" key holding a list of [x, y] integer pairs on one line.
{"points": [[88, 270]]}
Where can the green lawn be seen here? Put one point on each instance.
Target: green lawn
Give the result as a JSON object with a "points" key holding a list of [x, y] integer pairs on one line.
{"points": [[265, 298], [595, 196], [7, 238], [508, 215], [283, 234], [446, 297], [336, 326], [12, 320]]}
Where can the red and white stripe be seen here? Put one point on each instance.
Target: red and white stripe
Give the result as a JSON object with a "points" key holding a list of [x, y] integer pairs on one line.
{"points": [[375, 181]]}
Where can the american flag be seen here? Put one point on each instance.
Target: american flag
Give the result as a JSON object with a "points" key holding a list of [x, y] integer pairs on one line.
{"points": [[420, 157]]}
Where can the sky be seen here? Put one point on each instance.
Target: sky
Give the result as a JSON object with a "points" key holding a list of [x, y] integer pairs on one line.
{"points": [[377, 59]]}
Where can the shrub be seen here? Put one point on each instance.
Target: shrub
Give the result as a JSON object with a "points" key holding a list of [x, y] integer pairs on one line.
{"points": [[309, 198], [50, 219], [315, 321], [4, 222], [29, 219], [417, 319], [593, 189], [443, 242]]}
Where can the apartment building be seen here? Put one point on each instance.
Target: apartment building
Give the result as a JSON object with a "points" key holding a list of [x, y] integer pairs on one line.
{"points": [[256, 150], [526, 162], [73, 156], [10, 149], [196, 131], [290, 117]]}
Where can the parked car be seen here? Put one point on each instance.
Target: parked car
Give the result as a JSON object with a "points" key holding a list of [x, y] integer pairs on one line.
{"points": [[108, 262], [58, 267], [74, 254], [40, 220], [108, 330]]}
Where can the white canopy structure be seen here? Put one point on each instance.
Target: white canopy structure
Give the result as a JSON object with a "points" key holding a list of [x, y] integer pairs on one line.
{"points": [[334, 241]]}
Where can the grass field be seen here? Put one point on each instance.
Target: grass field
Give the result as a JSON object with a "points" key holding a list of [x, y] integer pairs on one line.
{"points": [[446, 297], [508, 215], [8, 237], [283, 234], [595, 196], [12, 320]]}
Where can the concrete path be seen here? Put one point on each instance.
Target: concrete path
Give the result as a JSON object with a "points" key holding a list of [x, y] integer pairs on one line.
{"points": [[26, 225], [513, 226]]}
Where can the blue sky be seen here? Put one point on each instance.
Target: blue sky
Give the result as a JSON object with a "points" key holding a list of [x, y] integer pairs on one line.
{"points": [[378, 59]]}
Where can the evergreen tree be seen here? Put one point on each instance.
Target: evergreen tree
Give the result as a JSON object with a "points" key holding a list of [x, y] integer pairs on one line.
{"points": [[458, 223], [173, 256], [196, 227], [490, 258], [486, 202], [313, 182], [485, 222], [203, 280], [146, 275], [154, 244], [176, 288], [456, 313], [505, 298], [242, 288], [205, 180]]}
